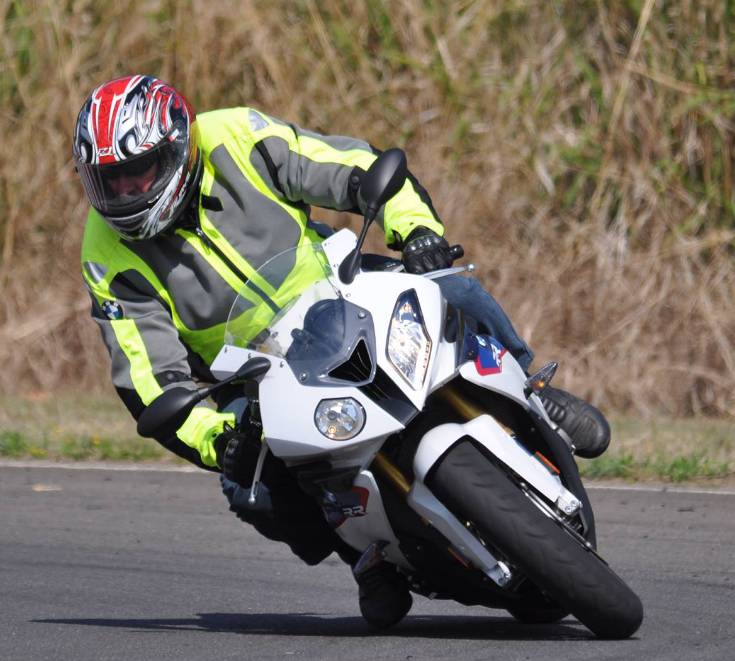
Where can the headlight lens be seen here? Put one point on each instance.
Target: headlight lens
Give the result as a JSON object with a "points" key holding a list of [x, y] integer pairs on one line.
{"points": [[339, 419], [409, 345]]}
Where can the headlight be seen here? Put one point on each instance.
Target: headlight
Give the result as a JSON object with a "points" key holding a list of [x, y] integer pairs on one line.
{"points": [[339, 419], [409, 345]]}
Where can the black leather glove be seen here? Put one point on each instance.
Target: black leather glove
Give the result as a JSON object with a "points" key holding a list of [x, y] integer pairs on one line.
{"points": [[237, 452], [425, 251], [237, 449]]}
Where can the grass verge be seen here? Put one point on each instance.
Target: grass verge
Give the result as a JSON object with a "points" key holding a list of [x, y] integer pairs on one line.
{"points": [[79, 428], [669, 450], [72, 427]]}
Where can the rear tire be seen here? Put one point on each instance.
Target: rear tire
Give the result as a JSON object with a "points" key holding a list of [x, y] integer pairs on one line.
{"points": [[476, 490]]}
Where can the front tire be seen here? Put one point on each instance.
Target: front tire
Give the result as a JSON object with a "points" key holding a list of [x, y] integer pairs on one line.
{"points": [[530, 615], [476, 490]]}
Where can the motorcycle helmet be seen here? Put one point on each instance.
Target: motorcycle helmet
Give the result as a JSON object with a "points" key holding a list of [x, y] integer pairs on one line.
{"points": [[136, 151]]}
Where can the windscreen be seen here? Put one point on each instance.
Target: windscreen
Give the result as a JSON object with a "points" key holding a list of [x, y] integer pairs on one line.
{"points": [[272, 310]]}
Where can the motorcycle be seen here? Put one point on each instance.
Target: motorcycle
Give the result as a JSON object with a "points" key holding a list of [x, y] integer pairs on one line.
{"points": [[423, 441]]}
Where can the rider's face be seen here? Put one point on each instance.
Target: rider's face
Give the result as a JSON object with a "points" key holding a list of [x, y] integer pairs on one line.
{"points": [[125, 184]]}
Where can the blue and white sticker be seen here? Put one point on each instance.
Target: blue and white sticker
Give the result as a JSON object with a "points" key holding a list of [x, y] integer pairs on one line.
{"points": [[112, 309], [490, 354]]}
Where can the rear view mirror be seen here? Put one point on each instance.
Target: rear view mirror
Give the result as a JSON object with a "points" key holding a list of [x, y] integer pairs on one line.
{"points": [[384, 178], [165, 414]]}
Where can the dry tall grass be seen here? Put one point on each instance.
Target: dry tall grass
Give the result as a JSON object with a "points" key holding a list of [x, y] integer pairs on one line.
{"points": [[582, 152]]}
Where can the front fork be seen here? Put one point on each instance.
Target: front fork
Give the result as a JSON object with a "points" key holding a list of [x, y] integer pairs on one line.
{"points": [[391, 473], [463, 544]]}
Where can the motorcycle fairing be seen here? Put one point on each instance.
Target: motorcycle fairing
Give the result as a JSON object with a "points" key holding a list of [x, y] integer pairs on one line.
{"points": [[486, 431], [361, 531]]}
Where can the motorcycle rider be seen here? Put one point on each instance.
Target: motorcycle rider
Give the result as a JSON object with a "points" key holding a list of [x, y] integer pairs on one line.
{"points": [[184, 210]]}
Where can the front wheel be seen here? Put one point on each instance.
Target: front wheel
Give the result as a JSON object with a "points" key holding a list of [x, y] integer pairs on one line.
{"points": [[530, 615], [478, 491]]}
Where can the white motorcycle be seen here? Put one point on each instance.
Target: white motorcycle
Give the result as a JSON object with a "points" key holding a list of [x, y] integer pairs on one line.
{"points": [[421, 440]]}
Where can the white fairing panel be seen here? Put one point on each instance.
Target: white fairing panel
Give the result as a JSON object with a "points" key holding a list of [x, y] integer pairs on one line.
{"points": [[443, 358], [287, 409], [288, 406], [486, 431], [362, 529], [230, 359], [509, 380], [444, 367]]}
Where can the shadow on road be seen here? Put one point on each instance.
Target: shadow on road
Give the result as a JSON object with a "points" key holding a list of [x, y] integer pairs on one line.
{"points": [[311, 624]]}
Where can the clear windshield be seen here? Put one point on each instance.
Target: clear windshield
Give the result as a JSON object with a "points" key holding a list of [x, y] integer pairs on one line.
{"points": [[279, 302]]}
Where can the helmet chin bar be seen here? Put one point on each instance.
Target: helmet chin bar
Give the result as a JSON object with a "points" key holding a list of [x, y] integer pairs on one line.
{"points": [[191, 198], [158, 226]]}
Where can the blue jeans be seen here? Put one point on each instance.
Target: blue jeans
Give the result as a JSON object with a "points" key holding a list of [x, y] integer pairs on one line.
{"points": [[467, 294]]}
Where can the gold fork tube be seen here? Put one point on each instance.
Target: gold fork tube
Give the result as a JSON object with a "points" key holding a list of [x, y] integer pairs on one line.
{"points": [[465, 408], [391, 472]]}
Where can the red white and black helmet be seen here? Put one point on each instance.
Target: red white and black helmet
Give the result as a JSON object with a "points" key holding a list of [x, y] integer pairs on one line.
{"points": [[136, 150]]}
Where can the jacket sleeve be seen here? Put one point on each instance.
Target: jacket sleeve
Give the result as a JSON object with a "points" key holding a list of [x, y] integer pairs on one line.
{"points": [[326, 170], [148, 357]]}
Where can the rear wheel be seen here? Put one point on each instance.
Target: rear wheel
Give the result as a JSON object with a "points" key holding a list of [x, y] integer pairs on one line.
{"points": [[478, 491]]}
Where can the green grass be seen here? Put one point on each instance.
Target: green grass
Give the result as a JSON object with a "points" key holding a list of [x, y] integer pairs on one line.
{"points": [[77, 428], [666, 450], [94, 447], [98, 428], [83, 448], [12, 444], [679, 468], [609, 466]]}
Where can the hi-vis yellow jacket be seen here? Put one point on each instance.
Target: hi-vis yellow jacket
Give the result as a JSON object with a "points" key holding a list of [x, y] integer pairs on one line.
{"points": [[162, 303]]}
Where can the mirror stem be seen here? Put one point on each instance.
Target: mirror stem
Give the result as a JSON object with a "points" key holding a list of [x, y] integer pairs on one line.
{"points": [[350, 264]]}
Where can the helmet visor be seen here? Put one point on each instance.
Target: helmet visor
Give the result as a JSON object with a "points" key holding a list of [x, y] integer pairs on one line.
{"points": [[130, 186]]}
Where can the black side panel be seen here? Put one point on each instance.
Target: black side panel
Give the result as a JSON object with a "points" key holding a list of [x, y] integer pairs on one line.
{"points": [[373, 262], [357, 368], [453, 323], [386, 394]]}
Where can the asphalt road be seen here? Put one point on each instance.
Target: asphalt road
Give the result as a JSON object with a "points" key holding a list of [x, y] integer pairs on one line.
{"points": [[98, 564]]}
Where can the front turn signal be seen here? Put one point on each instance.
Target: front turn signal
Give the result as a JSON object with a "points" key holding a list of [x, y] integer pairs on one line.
{"points": [[537, 382]]}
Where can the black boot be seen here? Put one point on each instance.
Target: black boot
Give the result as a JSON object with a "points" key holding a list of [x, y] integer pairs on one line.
{"points": [[584, 424], [384, 595]]}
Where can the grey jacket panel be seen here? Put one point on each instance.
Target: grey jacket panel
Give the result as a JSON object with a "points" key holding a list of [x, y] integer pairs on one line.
{"points": [[256, 226], [201, 297], [300, 179], [166, 353]]}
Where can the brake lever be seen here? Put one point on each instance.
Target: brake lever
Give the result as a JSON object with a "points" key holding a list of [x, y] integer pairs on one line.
{"points": [[456, 252], [433, 275]]}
